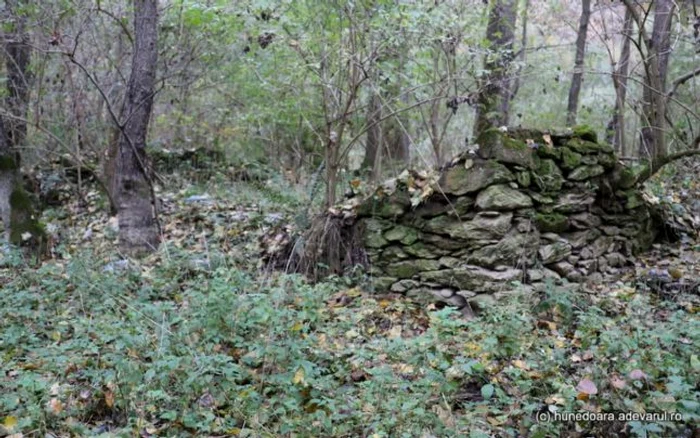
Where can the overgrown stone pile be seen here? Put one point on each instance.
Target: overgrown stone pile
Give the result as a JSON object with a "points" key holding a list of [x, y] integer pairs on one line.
{"points": [[525, 206]]}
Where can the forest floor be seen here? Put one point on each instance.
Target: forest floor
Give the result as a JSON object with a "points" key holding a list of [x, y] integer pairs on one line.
{"points": [[200, 339]]}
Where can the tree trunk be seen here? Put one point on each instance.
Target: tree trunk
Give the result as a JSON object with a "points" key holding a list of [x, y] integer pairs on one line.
{"points": [[374, 133], [494, 89], [16, 207], [616, 127], [575, 89], [513, 84], [138, 231], [653, 137]]}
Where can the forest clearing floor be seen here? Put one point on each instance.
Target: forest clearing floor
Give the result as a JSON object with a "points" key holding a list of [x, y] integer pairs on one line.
{"points": [[200, 340]]}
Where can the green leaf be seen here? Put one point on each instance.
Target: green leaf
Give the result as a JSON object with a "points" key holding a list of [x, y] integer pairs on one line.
{"points": [[487, 391]]}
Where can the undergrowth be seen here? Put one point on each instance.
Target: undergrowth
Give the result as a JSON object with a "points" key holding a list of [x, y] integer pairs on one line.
{"points": [[166, 350]]}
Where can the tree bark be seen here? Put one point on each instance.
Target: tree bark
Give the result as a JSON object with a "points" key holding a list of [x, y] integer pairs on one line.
{"points": [[653, 136], [616, 127], [16, 207], [575, 89], [374, 133], [138, 233], [513, 83], [494, 88]]}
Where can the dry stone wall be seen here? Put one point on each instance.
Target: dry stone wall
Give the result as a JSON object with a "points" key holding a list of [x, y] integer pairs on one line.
{"points": [[524, 207]]}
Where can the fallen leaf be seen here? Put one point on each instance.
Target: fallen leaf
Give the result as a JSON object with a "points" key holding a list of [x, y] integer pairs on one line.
{"points": [[298, 376], [55, 406], [9, 423], [617, 382], [586, 386], [637, 374]]}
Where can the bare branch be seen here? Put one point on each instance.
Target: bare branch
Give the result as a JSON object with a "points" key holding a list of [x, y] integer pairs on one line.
{"points": [[682, 80]]}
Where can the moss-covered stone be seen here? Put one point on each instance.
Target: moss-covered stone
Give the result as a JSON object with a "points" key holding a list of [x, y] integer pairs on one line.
{"points": [[482, 227], [424, 251], [554, 252], [514, 249], [570, 159], [551, 222], [373, 229], [588, 147], [393, 253], [459, 180], [400, 233], [409, 268], [548, 177], [624, 177], [633, 199], [494, 144], [550, 152], [503, 198], [523, 178], [25, 229], [583, 173], [585, 132], [606, 160], [382, 284]]}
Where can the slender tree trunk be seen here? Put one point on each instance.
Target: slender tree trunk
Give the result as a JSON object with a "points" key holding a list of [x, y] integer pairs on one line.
{"points": [[575, 89], [513, 83], [616, 127], [494, 89], [16, 207], [374, 132], [653, 137], [138, 231]]}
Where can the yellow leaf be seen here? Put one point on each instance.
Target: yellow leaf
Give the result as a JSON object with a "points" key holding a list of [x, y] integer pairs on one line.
{"points": [[548, 139], [9, 423], [496, 421], [55, 406], [520, 364], [298, 376], [297, 327], [395, 332], [109, 399]]}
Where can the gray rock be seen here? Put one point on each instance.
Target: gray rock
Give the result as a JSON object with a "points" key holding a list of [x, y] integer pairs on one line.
{"points": [[574, 202], [424, 251], [563, 268], [579, 239], [482, 302], [548, 177], [409, 268], [610, 230], [459, 180], [482, 227], [514, 248], [584, 220], [382, 284], [199, 199], [583, 173], [449, 262], [473, 278], [554, 252], [502, 198], [393, 254], [404, 285], [616, 259], [403, 234]]}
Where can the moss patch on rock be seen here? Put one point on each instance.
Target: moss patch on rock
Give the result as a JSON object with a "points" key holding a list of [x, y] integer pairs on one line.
{"points": [[552, 222]]}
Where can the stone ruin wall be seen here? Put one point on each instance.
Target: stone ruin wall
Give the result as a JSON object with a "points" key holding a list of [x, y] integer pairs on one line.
{"points": [[527, 207]]}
